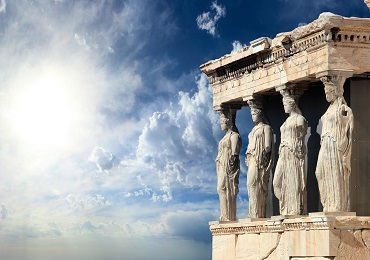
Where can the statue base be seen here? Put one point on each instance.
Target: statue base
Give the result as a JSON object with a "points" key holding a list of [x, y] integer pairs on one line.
{"points": [[318, 236]]}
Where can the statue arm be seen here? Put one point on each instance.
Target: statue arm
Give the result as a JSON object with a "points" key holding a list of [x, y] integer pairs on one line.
{"points": [[301, 131], [235, 144], [347, 112], [247, 159], [268, 138], [235, 147], [267, 155], [302, 127]]}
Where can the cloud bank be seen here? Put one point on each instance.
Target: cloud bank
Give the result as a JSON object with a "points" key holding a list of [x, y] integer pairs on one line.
{"points": [[87, 154], [208, 20]]}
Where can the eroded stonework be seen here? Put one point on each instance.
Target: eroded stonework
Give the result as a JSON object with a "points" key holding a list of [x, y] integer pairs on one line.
{"points": [[316, 237], [330, 42]]}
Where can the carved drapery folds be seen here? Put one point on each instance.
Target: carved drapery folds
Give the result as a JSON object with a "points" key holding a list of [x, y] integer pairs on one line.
{"points": [[334, 162], [290, 173], [228, 165], [259, 159]]}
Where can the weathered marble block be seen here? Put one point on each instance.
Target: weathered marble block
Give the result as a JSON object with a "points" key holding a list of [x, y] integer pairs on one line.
{"points": [[317, 237]]}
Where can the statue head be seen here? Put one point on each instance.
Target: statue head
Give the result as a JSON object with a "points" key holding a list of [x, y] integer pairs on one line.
{"points": [[290, 100], [225, 119], [289, 104], [332, 91], [256, 106], [224, 122]]}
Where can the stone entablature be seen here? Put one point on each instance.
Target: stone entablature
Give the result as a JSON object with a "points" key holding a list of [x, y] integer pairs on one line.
{"points": [[318, 236], [331, 42], [314, 221]]}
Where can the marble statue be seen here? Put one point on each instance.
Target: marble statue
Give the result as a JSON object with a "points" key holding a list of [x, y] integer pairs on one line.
{"points": [[290, 173], [334, 162], [259, 159], [228, 166]]}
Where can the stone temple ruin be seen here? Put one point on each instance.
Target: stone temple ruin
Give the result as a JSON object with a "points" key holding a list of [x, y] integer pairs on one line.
{"points": [[309, 153]]}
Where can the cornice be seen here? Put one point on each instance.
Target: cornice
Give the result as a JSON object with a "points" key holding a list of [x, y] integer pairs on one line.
{"points": [[329, 29], [283, 225]]}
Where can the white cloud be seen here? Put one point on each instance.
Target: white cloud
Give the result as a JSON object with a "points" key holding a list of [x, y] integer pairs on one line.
{"points": [[82, 42], [90, 49], [110, 49], [83, 227], [113, 227], [103, 159], [192, 225], [3, 212], [173, 138], [208, 20], [237, 45], [2, 6], [182, 130], [87, 202]]}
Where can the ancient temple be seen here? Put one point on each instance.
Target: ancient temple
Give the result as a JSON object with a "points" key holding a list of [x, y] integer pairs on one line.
{"points": [[318, 74]]}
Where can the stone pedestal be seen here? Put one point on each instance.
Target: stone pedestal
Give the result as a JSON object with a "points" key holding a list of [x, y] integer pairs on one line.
{"points": [[317, 236]]}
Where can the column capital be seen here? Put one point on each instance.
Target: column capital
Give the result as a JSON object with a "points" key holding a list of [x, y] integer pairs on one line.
{"points": [[234, 107], [335, 73], [334, 79], [255, 102], [228, 111], [252, 97], [295, 90], [296, 86]]}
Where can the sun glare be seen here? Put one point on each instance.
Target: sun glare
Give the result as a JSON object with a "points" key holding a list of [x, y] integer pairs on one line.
{"points": [[42, 114]]}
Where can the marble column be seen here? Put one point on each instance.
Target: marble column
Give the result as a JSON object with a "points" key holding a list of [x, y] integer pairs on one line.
{"points": [[334, 162]]}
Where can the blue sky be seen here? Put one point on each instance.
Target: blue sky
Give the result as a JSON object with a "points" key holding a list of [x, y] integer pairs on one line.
{"points": [[107, 134]]}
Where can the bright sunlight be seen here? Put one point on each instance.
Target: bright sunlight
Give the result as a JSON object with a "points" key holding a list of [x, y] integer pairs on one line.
{"points": [[42, 114]]}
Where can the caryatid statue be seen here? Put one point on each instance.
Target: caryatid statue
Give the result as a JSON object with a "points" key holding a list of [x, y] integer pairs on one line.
{"points": [[228, 166], [259, 159], [334, 162], [290, 173]]}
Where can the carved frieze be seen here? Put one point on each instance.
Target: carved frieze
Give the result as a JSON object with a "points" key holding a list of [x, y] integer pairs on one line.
{"points": [[304, 223]]}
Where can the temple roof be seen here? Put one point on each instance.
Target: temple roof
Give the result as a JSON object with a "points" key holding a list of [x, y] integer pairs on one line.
{"points": [[331, 42]]}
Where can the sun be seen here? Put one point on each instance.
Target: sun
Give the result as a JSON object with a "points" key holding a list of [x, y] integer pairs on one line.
{"points": [[42, 113]]}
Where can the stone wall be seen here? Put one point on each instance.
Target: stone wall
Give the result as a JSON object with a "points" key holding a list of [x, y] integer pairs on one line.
{"points": [[314, 237]]}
